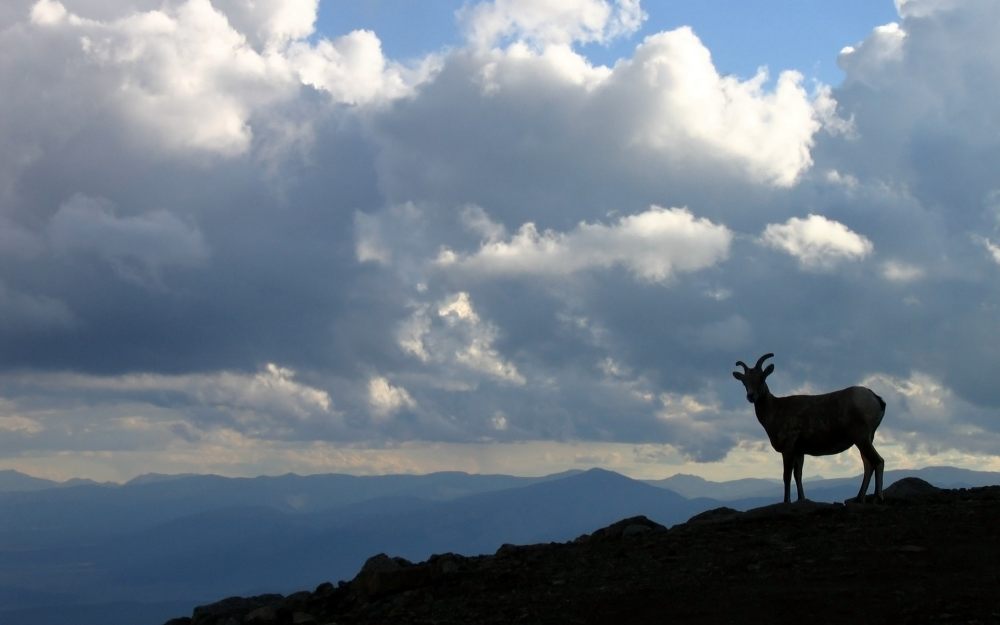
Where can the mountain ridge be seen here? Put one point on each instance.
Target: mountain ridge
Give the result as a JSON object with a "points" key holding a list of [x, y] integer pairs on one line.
{"points": [[928, 557]]}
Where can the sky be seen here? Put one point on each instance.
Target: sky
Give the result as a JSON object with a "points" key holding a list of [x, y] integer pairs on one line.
{"points": [[491, 236]]}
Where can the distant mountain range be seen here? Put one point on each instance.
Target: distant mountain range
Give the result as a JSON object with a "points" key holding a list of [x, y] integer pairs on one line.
{"points": [[137, 553], [14, 481]]}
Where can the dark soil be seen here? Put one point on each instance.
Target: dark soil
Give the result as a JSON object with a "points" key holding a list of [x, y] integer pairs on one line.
{"points": [[917, 558]]}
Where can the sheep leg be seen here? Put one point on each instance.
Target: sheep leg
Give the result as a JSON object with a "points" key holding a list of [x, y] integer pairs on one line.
{"points": [[879, 467], [867, 477], [799, 459], [789, 463], [873, 464]]}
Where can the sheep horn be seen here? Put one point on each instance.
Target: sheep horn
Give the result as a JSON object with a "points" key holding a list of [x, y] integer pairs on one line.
{"points": [[740, 363], [761, 360]]}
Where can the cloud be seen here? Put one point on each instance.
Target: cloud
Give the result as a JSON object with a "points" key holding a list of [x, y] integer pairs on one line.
{"points": [[484, 244], [197, 76], [136, 246], [270, 24], [384, 399], [23, 312], [817, 242], [991, 247], [475, 349], [272, 390], [884, 47], [678, 103], [182, 76], [924, 8], [157, 408], [895, 271], [925, 415], [654, 245], [352, 69], [14, 424], [550, 21]]}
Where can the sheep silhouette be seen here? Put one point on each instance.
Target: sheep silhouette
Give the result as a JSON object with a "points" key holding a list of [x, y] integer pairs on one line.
{"points": [[817, 425]]}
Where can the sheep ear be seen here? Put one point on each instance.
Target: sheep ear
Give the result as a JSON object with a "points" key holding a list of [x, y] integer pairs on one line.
{"points": [[768, 370], [738, 375]]}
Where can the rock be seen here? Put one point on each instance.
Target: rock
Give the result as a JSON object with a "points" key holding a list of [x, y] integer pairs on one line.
{"points": [[803, 507], [910, 487], [382, 575], [219, 611], [626, 527], [715, 514], [635, 572], [446, 563], [325, 589], [266, 614]]}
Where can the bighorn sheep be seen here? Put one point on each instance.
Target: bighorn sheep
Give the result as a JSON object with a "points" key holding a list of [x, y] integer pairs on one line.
{"points": [[818, 425]]}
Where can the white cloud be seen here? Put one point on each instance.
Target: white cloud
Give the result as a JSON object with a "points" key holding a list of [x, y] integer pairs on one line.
{"points": [[452, 334], [181, 75], [683, 407], [476, 351], [48, 12], [271, 23], [384, 399], [20, 425], [925, 8], [476, 219], [673, 100], [817, 242], [991, 247], [188, 77], [458, 309], [844, 180], [351, 68], [867, 61], [411, 332], [929, 417], [897, 271], [543, 22], [271, 394], [655, 245]]}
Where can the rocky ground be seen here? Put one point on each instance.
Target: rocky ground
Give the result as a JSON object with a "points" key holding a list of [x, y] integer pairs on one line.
{"points": [[923, 556]]}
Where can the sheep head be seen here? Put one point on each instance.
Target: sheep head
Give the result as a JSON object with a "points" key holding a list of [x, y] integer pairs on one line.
{"points": [[753, 378]]}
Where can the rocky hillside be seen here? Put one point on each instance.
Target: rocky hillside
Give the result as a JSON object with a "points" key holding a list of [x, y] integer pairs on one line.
{"points": [[924, 556]]}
